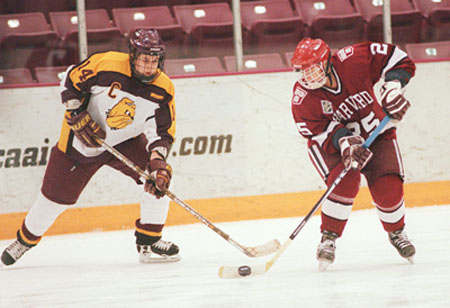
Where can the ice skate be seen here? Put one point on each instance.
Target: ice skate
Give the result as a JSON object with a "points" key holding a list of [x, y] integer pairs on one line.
{"points": [[400, 241], [326, 250], [158, 252], [14, 252]]}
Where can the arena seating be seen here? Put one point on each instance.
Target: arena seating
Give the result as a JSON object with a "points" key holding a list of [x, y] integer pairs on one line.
{"points": [[335, 21], [158, 17], [3, 8], [270, 26], [429, 51], [101, 34], [42, 35], [25, 40], [49, 74], [193, 66], [259, 62], [209, 28], [406, 20], [107, 5], [171, 3], [437, 14], [15, 76], [43, 6]]}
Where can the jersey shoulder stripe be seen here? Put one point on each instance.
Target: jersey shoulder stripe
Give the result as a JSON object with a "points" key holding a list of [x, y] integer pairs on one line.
{"points": [[163, 81], [111, 61]]}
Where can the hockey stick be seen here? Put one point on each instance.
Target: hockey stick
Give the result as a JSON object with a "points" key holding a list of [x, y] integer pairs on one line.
{"points": [[258, 269], [256, 251]]}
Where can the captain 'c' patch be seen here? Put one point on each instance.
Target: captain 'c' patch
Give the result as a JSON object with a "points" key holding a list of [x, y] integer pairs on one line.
{"points": [[122, 114]]}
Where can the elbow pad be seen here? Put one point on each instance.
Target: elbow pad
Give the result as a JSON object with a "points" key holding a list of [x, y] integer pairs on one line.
{"points": [[398, 74], [341, 132]]}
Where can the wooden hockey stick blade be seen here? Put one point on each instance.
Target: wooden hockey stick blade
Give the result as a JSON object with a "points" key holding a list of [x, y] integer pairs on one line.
{"points": [[264, 249], [230, 272]]}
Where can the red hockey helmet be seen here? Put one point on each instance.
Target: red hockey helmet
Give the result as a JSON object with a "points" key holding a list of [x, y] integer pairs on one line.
{"points": [[311, 60], [148, 42]]}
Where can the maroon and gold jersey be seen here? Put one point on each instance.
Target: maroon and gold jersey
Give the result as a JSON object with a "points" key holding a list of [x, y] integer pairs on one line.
{"points": [[123, 106], [319, 113]]}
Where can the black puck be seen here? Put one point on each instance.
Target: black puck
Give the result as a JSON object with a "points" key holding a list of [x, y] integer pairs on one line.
{"points": [[244, 270]]}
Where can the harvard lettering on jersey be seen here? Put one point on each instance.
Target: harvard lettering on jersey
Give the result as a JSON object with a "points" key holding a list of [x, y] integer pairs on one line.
{"points": [[120, 104], [319, 113]]}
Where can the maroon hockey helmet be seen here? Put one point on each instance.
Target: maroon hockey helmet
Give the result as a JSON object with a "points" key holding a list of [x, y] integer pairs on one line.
{"points": [[146, 41], [312, 60]]}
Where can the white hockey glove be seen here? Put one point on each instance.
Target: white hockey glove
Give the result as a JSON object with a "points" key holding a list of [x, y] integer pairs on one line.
{"points": [[352, 152], [393, 101]]}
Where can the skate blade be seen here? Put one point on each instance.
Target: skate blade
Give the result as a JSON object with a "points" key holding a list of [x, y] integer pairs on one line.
{"points": [[410, 259], [159, 259], [323, 265]]}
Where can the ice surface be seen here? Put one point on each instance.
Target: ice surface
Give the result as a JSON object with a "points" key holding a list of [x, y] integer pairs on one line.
{"points": [[101, 269]]}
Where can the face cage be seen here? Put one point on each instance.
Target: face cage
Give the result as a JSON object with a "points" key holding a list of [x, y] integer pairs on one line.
{"points": [[313, 77], [141, 77]]}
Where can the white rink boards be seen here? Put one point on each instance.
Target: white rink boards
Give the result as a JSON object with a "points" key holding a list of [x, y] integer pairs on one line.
{"points": [[231, 131]]}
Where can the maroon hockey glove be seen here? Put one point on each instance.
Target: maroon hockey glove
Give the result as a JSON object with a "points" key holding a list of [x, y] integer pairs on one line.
{"points": [[352, 152], [393, 101], [161, 172], [85, 128]]}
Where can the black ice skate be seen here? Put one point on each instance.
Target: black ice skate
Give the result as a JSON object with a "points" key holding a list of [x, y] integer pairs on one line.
{"points": [[160, 251], [14, 252], [326, 250], [400, 241]]}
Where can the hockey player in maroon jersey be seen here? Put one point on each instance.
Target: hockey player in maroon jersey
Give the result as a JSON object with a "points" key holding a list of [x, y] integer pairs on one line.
{"points": [[334, 106], [127, 100]]}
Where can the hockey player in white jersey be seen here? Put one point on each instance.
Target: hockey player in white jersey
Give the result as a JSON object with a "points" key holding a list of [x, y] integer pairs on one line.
{"points": [[127, 100]]}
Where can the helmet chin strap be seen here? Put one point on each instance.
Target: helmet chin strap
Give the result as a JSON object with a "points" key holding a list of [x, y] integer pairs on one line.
{"points": [[328, 69], [329, 65]]}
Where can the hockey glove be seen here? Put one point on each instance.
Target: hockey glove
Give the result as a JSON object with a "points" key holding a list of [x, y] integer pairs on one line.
{"points": [[393, 101], [85, 128], [352, 152], [161, 172]]}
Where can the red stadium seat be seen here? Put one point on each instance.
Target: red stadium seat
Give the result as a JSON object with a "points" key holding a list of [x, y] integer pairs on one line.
{"points": [[50, 74], [65, 22], [25, 40], [194, 66], [259, 62], [171, 3], [107, 5], [44, 6], [334, 21], [437, 14], [15, 76], [209, 28], [270, 26], [4, 9], [101, 34], [429, 51], [158, 17], [406, 20]]}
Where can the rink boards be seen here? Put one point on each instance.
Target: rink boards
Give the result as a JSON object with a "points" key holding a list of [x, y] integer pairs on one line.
{"points": [[237, 155]]}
